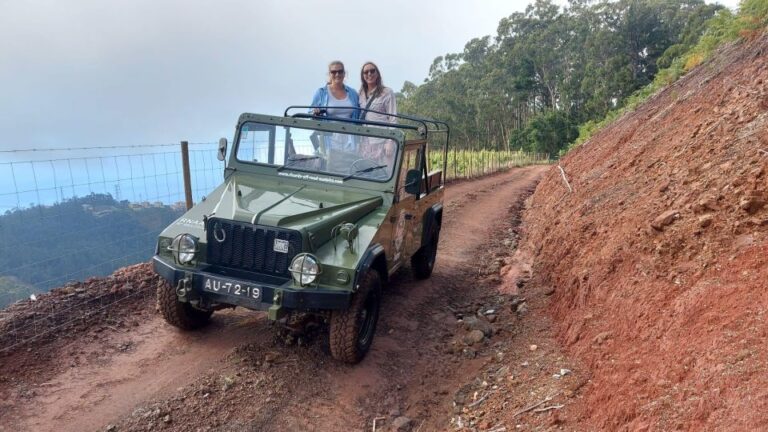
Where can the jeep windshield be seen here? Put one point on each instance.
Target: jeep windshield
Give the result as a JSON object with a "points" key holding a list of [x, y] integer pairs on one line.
{"points": [[322, 152]]}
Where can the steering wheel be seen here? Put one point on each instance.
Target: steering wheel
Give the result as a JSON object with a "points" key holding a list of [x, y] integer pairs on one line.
{"points": [[362, 164]]}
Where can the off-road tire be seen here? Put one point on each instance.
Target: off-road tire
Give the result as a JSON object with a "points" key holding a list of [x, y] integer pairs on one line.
{"points": [[423, 261], [179, 314], [352, 330]]}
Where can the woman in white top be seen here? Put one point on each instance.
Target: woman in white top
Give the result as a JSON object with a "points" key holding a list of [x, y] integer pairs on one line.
{"points": [[336, 99], [376, 97]]}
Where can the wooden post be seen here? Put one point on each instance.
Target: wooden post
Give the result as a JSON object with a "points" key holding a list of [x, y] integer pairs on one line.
{"points": [[455, 164], [185, 167]]}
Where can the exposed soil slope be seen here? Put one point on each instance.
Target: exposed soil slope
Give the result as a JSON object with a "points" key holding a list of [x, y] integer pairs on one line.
{"points": [[658, 256]]}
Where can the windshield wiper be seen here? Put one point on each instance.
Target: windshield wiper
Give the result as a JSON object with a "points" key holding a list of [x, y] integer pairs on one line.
{"points": [[362, 171], [293, 161]]}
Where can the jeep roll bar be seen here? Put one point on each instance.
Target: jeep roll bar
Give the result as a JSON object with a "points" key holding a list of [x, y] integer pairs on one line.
{"points": [[349, 120], [424, 130]]}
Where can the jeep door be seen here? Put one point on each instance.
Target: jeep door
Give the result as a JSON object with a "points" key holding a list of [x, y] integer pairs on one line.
{"points": [[430, 193], [404, 210]]}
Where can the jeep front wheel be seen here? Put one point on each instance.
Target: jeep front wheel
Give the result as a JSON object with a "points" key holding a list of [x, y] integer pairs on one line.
{"points": [[423, 261], [352, 329], [179, 314]]}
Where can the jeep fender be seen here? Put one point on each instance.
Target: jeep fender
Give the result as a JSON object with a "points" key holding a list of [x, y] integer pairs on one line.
{"points": [[374, 257], [433, 215]]}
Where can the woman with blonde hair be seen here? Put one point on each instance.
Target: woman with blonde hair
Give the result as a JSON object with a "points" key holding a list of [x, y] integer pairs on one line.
{"points": [[336, 99]]}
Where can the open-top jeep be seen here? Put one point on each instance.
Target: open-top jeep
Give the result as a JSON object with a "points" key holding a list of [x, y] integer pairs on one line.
{"points": [[313, 217]]}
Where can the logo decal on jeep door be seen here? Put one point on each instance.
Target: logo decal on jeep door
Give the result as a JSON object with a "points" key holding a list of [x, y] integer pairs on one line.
{"points": [[399, 235]]}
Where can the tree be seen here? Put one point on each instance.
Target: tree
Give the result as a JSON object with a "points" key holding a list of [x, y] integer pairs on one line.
{"points": [[549, 68]]}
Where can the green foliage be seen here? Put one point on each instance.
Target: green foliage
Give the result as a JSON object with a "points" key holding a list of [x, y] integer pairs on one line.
{"points": [[549, 69], [549, 132], [520, 139], [472, 163], [754, 13], [721, 28]]}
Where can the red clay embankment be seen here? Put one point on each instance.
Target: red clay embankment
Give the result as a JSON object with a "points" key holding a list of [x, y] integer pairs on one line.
{"points": [[659, 256]]}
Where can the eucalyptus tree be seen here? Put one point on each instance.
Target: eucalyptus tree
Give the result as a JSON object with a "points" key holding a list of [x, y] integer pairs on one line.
{"points": [[549, 69]]}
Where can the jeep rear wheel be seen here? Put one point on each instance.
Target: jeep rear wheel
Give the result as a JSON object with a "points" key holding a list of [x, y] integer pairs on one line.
{"points": [[352, 329], [423, 261], [179, 314]]}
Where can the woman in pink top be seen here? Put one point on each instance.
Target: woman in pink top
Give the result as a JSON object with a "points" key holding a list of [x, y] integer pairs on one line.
{"points": [[376, 97]]}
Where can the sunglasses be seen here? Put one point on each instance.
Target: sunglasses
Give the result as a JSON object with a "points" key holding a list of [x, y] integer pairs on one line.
{"points": [[369, 71], [337, 72]]}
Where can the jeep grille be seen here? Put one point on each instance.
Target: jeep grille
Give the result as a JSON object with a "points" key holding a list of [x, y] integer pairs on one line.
{"points": [[249, 247]]}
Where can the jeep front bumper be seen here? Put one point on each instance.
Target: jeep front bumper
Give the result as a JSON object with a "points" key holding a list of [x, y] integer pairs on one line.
{"points": [[283, 296]]}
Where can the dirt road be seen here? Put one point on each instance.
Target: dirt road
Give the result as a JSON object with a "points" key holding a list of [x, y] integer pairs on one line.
{"points": [[236, 375]]}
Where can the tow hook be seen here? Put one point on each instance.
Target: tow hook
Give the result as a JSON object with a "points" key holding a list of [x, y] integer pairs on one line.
{"points": [[276, 311], [184, 286]]}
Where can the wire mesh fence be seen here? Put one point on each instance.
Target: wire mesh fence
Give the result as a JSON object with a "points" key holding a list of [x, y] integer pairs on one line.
{"points": [[68, 215], [69, 218], [137, 178], [75, 305]]}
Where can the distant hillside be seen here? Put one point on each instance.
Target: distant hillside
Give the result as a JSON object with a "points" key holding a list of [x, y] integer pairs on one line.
{"points": [[46, 246], [11, 289]]}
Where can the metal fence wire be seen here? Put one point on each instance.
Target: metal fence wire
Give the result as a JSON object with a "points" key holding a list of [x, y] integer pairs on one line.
{"points": [[73, 306], [69, 218], [67, 215]]}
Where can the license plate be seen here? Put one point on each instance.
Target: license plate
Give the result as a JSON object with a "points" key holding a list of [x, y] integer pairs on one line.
{"points": [[230, 287]]}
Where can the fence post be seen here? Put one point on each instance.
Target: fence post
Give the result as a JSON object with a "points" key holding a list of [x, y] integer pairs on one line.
{"points": [[471, 163], [185, 167], [455, 165]]}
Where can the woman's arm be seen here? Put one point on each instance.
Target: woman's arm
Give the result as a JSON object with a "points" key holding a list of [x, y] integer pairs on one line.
{"points": [[317, 100]]}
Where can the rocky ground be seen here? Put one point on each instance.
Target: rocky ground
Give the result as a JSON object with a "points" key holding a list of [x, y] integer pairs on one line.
{"points": [[34, 333]]}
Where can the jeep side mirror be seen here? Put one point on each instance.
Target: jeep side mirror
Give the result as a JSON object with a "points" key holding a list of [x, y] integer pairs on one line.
{"points": [[222, 149], [413, 182]]}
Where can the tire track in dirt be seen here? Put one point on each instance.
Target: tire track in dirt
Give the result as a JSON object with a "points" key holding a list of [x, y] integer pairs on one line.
{"points": [[157, 360], [406, 368]]}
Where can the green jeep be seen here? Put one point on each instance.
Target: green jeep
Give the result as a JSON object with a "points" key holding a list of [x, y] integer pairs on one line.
{"points": [[313, 217]]}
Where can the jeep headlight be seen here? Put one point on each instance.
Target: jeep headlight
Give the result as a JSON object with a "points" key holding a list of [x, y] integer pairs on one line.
{"points": [[304, 269], [184, 247]]}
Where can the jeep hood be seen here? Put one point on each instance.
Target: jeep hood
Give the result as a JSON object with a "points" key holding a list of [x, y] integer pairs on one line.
{"points": [[305, 207]]}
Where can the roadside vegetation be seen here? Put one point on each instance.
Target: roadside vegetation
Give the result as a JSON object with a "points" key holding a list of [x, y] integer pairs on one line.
{"points": [[723, 28], [553, 76], [475, 163]]}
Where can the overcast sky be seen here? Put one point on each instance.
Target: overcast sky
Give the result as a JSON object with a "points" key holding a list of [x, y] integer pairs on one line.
{"points": [[116, 72]]}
